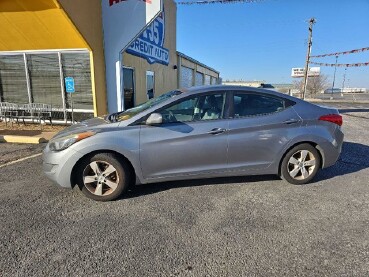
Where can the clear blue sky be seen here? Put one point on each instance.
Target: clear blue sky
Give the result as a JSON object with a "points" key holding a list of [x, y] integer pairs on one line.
{"points": [[264, 40]]}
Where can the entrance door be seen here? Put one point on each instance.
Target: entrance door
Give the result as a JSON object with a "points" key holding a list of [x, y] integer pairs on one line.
{"points": [[128, 88], [150, 84]]}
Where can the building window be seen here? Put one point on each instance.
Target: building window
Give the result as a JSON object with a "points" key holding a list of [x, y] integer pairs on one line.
{"points": [[13, 82], [213, 80], [150, 84]]}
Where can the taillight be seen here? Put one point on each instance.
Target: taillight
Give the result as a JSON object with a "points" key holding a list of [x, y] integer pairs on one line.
{"points": [[334, 118]]}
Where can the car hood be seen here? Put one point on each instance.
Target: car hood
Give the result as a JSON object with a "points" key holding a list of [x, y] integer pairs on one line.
{"points": [[86, 125]]}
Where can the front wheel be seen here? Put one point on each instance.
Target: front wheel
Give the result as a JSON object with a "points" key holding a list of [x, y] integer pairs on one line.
{"points": [[300, 164], [103, 177]]}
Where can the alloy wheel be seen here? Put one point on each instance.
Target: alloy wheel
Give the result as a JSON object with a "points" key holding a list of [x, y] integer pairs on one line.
{"points": [[100, 178], [301, 165]]}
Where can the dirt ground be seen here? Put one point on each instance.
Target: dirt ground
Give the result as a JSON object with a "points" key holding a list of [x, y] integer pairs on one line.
{"points": [[27, 129]]}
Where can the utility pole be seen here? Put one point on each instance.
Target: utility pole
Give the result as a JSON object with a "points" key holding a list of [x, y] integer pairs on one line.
{"points": [[310, 42], [344, 80], [334, 76]]}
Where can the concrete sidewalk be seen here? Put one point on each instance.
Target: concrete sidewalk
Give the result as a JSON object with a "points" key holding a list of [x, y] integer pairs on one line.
{"points": [[27, 133], [25, 136]]}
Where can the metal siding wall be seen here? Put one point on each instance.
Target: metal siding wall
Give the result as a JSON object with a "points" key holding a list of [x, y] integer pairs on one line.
{"points": [[207, 80], [199, 79], [13, 83], [186, 77], [45, 79], [46, 85], [78, 67]]}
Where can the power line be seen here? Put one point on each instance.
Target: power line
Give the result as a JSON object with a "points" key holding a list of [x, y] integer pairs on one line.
{"points": [[342, 53], [205, 2], [342, 64]]}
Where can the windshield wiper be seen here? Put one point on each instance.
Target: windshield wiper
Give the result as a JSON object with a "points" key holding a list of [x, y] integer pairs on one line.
{"points": [[113, 117]]}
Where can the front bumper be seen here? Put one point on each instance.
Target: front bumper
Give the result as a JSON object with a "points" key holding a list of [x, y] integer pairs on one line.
{"points": [[58, 166]]}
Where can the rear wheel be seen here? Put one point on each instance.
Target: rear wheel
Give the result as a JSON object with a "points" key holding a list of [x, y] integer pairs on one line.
{"points": [[300, 164], [103, 177]]}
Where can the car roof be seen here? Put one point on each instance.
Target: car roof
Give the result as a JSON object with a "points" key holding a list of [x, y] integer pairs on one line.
{"points": [[209, 88]]}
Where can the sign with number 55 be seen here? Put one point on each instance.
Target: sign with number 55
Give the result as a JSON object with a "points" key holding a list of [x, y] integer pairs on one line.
{"points": [[150, 44]]}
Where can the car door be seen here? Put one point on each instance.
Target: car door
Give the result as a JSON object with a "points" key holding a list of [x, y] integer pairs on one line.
{"points": [[261, 127], [192, 140]]}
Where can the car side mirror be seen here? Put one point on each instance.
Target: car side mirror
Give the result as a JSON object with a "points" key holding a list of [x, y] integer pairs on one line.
{"points": [[154, 118]]}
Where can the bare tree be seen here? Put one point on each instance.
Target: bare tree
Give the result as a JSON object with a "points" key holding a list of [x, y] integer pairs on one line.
{"points": [[315, 84]]}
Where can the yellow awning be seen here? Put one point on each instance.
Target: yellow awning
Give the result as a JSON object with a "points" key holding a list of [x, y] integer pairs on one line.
{"points": [[36, 25]]}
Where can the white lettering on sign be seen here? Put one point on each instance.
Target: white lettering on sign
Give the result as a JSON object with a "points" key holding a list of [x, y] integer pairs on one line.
{"points": [[150, 51]]}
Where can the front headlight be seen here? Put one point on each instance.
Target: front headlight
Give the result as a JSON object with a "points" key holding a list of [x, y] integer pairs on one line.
{"points": [[64, 142]]}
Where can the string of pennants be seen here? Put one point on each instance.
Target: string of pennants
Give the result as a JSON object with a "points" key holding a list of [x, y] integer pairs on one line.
{"points": [[341, 64], [205, 2], [342, 53]]}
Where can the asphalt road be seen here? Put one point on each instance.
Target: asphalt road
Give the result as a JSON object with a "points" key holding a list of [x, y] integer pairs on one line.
{"points": [[244, 226]]}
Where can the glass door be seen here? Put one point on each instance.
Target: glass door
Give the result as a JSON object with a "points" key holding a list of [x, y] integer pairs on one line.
{"points": [[128, 88], [150, 84]]}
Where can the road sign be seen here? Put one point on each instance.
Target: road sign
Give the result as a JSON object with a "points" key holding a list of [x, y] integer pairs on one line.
{"points": [[69, 85], [299, 72]]}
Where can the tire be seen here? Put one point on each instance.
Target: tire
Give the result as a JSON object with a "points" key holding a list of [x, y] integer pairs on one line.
{"points": [[103, 176], [300, 164]]}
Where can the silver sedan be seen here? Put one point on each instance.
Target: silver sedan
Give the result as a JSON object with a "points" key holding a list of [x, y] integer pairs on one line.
{"points": [[201, 132]]}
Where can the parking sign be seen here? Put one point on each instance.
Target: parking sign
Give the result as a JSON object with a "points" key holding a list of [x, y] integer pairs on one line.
{"points": [[69, 85]]}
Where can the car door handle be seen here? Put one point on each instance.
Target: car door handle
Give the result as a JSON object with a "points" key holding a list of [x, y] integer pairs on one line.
{"points": [[291, 121], [216, 131]]}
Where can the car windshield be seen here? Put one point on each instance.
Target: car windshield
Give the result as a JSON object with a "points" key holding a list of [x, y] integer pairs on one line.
{"points": [[127, 114]]}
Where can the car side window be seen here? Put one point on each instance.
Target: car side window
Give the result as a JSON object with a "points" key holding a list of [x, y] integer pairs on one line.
{"points": [[198, 108], [249, 104]]}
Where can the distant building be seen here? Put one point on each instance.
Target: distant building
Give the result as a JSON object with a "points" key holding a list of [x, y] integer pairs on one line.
{"points": [[255, 84], [345, 90], [285, 88]]}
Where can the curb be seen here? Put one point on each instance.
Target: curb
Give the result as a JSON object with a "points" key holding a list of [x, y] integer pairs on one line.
{"points": [[22, 139]]}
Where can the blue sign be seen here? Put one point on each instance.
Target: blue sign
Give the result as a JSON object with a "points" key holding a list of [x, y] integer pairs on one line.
{"points": [[149, 44], [69, 85]]}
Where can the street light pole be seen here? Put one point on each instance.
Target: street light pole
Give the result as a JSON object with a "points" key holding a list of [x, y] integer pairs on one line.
{"points": [[334, 75]]}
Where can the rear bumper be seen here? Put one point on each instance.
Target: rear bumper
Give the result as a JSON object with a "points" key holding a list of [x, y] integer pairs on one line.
{"points": [[331, 150]]}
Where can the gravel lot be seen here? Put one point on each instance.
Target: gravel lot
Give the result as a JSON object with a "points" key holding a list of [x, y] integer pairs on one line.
{"points": [[243, 226]]}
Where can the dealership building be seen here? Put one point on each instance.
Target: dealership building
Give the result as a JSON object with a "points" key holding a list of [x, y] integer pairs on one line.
{"points": [[119, 53]]}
